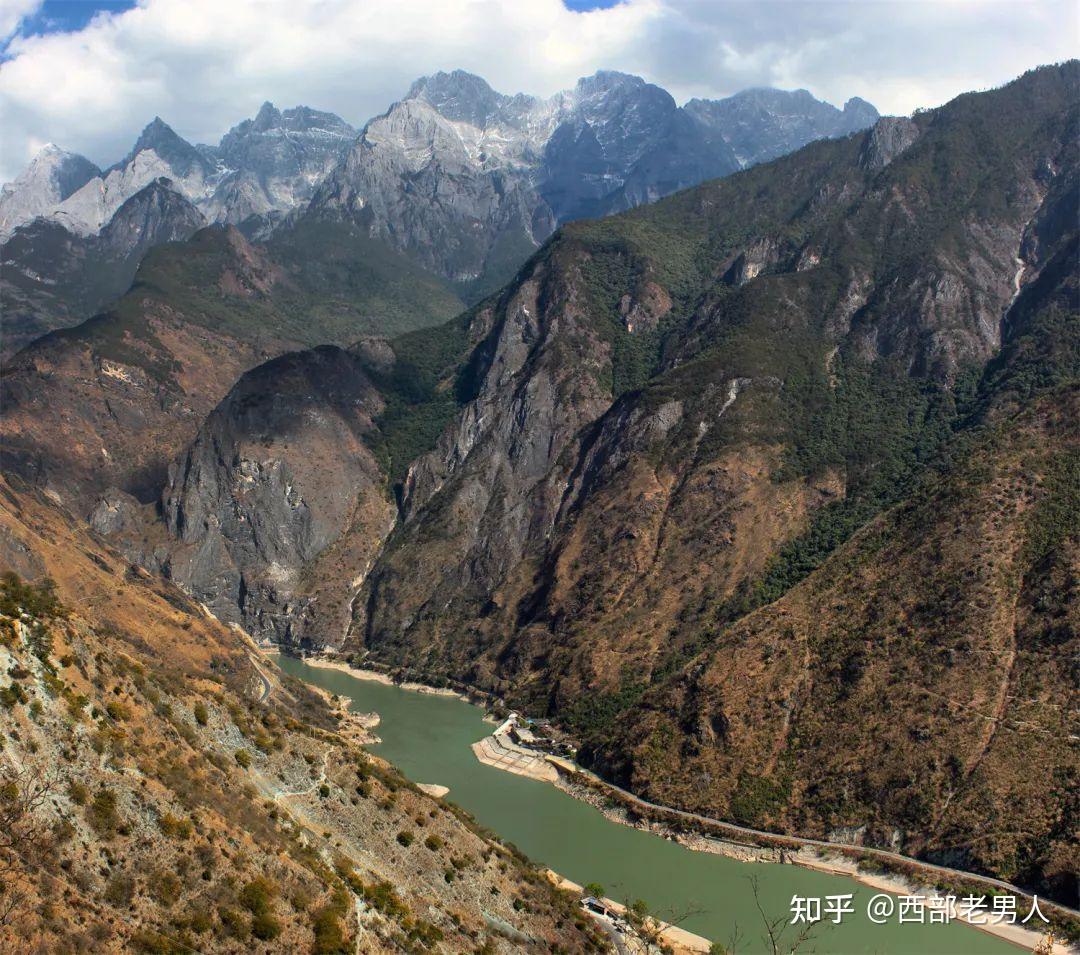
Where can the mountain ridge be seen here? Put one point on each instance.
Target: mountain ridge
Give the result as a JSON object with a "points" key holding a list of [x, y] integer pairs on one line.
{"points": [[469, 193], [681, 455], [52, 277], [441, 90], [678, 418]]}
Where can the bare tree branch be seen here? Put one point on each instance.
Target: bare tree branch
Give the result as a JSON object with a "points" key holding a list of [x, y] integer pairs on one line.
{"points": [[23, 832]]}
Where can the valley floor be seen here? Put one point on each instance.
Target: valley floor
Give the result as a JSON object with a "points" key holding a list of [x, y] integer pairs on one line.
{"points": [[501, 752]]}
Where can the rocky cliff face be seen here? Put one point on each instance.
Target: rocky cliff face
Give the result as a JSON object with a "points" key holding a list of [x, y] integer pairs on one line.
{"points": [[578, 480], [279, 473], [481, 502], [427, 185], [890, 137], [275, 162], [593, 535]]}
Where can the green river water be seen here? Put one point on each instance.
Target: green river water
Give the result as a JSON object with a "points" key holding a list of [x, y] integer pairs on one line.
{"points": [[427, 737]]}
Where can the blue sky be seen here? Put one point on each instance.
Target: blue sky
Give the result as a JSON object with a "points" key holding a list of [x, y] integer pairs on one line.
{"points": [[66, 16], [89, 74]]}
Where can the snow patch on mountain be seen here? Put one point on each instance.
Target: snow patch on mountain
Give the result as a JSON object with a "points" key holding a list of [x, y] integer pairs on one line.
{"points": [[51, 177]]}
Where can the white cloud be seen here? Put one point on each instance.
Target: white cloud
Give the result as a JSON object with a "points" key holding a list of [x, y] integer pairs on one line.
{"points": [[12, 12], [203, 65]]}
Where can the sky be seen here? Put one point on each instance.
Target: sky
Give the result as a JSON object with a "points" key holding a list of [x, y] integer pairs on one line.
{"points": [[89, 74]]}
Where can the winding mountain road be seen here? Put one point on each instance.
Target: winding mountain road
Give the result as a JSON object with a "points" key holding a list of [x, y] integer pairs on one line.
{"points": [[266, 684], [773, 837]]}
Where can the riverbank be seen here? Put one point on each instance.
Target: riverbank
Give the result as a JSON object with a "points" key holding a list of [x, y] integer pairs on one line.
{"points": [[808, 857], [498, 750], [428, 738], [501, 752], [680, 940], [897, 885], [375, 676]]}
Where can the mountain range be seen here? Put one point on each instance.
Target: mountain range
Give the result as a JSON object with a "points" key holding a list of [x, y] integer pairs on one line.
{"points": [[465, 181], [743, 486], [263, 165]]}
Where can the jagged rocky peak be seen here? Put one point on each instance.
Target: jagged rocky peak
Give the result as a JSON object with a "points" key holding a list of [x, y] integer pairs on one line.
{"points": [[274, 159], [154, 134], [268, 117], [63, 171], [302, 118], [605, 81], [158, 152], [299, 119], [621, 108], [861, 112], [159, 137], [461, 97], [763, 123], [609, 94], [497, 128], [52, 176]]}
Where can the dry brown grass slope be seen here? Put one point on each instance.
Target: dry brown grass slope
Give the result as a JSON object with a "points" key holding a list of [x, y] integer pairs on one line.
{"points": [[150, 804], [920, 689]]}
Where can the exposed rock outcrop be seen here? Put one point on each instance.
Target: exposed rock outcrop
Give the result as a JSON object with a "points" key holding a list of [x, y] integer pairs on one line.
{"points": [[890, 136], [278, 474]]}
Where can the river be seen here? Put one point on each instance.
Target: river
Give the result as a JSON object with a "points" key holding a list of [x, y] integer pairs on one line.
{"points": [[428, 737]]}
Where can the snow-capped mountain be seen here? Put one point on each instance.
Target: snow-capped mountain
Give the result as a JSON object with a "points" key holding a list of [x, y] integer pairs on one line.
{"points": [[468, 179], [464, 178], [51, 177], [763, 124], [621, 142], [269, 164], [159, 153], [272, 163], [447, 175], [611, 142]]}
